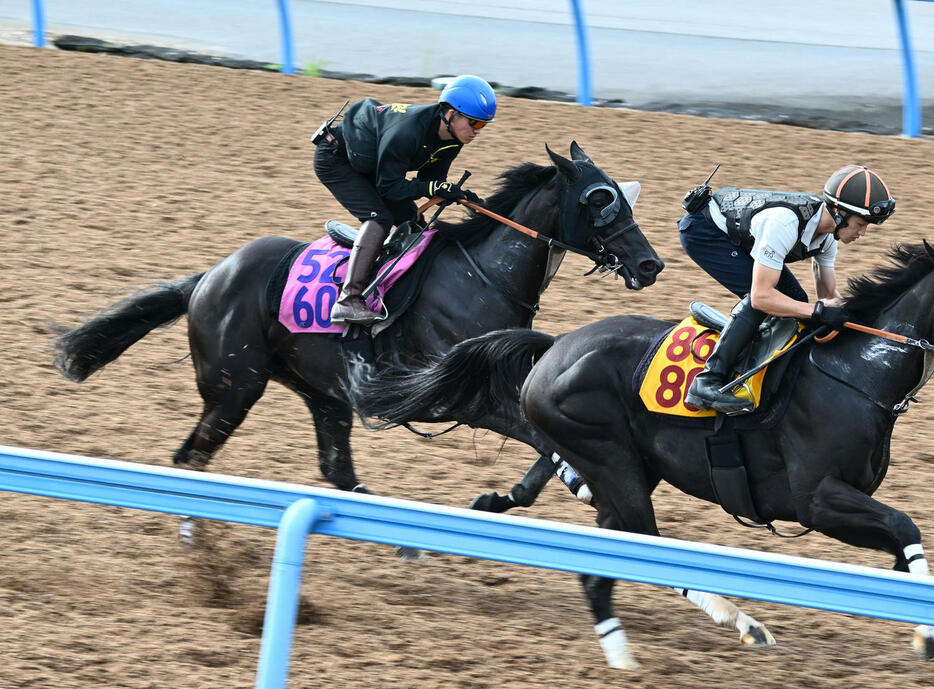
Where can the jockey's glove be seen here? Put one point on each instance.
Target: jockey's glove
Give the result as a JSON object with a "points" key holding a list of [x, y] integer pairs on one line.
{"points": [[832, 316], [449, 191]]}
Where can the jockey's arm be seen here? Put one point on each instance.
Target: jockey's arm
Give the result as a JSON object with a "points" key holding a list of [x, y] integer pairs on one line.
{"points": [[825, 282], [765, 296]]}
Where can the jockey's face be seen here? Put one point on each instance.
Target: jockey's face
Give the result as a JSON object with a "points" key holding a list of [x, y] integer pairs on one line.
{"points": [[855, 228], [461, 128]]}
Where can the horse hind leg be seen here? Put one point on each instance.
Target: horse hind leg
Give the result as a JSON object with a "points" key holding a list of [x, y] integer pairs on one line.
{"points": [[228, 396], [723, 612], [530, 486]]}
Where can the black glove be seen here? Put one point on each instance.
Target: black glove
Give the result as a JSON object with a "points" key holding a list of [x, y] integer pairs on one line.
{"points": [[473, 198], [832, 316], [696, 199], [446, 190]]}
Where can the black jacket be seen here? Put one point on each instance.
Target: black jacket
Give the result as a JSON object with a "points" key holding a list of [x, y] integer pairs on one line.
{"points": [[384, 142]]}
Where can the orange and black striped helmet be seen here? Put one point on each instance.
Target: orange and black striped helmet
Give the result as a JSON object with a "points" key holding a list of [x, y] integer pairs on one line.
{"points": [[855, 189]]}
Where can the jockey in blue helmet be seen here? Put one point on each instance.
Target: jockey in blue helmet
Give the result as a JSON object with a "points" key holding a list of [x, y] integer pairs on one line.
{"points": [[365, 161], [471, 97]]}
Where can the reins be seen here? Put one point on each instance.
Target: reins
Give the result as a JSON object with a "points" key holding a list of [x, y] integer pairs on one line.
{"points": [[550, 241], [895, 337]]}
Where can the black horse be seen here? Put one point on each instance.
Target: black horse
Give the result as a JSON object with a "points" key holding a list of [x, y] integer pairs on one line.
{"points": [[817, 465], [492, 279]]}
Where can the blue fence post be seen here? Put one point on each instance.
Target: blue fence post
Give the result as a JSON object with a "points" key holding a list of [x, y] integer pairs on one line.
{"points": [[583, 55], [284, 590], [38, 23], [911, 106], [285, 32]]}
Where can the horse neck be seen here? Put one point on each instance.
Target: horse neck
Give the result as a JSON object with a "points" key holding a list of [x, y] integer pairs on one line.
{"points": [[513, 259], [896, 365]]}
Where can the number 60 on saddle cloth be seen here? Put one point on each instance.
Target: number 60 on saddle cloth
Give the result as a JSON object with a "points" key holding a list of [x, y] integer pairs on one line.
{"points": [[314, 281], [678, 359]]}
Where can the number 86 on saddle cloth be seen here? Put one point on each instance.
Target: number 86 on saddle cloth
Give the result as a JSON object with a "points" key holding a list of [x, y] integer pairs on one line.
{"points": [[679, 357]]}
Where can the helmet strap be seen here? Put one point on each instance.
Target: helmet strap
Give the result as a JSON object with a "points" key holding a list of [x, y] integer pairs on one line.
{"points": [[447, 123], [840, 221]]}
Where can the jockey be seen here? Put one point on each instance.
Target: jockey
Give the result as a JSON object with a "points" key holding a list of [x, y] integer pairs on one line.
{"points": [[744, 237], [364, 161]]}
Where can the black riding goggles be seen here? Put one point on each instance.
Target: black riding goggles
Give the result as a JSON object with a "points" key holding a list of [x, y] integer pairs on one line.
{"points": [[880, 212]]}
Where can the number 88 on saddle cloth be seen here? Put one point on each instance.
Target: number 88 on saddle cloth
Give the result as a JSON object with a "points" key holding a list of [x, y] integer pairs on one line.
{"points": [[681, 354]]}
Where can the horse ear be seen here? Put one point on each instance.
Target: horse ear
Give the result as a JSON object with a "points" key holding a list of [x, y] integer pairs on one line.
{"points": [[631, 191], [929, 249], [577, 153], [566, 167]]}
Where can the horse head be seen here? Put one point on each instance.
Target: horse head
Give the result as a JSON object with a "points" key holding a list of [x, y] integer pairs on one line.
{"points": [[595, 217]]}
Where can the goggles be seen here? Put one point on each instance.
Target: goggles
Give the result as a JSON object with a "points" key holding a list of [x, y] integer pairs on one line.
{"points": [[476, 124], [876, 214], [880, 212]]}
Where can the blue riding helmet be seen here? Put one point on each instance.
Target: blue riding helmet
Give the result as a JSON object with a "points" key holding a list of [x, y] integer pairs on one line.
{"points": [[470, 96]]}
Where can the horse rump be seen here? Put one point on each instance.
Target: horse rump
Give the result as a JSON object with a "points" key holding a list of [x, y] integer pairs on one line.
{"points": [[475, 378], [110, 332]]}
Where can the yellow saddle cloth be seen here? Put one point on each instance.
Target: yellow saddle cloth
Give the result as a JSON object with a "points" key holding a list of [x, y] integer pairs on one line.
{"points": [[680, 357]]}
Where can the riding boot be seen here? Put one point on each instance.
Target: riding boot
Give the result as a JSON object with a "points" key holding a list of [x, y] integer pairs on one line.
{"points": [[350, 307], [704, 392]]}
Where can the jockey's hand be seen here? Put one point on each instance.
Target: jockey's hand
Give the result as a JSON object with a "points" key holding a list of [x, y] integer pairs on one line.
{"points": [[446, 190], [472, 197], [832, 316]]}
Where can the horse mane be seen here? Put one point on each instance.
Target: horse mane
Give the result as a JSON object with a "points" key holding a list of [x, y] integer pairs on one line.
{"points": [[514, 185], [868, 295]]}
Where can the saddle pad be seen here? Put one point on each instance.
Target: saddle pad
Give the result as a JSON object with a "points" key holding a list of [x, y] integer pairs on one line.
{"points": [[313, 284], [678, 359]]}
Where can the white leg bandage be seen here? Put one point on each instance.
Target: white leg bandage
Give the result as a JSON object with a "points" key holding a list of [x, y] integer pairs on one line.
{"points": [[917, 564], [615, 645]]}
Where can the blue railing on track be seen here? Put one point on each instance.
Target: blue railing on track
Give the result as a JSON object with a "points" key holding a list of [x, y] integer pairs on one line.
{"points": [[911, 99], [299, 510]]}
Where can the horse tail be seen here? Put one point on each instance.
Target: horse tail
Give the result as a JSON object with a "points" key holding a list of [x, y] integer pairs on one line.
{"points": [[477, 377], [107, 334]]}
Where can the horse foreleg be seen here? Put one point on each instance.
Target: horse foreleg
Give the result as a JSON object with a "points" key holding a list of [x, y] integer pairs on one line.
{"points": [[841, 511], [333, 422], [723, 612]]}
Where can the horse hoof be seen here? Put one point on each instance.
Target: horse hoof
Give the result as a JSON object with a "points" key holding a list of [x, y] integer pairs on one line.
{"points": [[491, 502], [757, 636], [188, 531], [923, 642], [407, 554], [627, 662]]}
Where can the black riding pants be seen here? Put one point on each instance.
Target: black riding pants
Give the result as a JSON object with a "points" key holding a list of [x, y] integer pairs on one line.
{"points": [[731, 266], [355, 191]]}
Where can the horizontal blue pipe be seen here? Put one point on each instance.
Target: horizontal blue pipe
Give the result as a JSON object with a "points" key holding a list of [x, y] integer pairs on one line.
{"points": [[540, 543]]}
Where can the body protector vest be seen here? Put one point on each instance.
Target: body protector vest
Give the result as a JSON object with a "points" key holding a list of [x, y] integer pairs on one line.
{"points": [[740, 205]]}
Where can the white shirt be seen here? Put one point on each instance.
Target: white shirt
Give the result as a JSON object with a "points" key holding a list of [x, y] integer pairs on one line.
{"points": [[776, 232]]}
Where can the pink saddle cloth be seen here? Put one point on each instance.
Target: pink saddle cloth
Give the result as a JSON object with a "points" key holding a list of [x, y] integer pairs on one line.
{"points": [[313, 285]]}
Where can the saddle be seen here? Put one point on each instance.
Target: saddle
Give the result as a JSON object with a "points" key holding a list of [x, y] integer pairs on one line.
{"points": [[395, 243], [306, 282]]}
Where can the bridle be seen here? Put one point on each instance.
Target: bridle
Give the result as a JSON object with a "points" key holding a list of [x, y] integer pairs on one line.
{"points": [[604, 260]]}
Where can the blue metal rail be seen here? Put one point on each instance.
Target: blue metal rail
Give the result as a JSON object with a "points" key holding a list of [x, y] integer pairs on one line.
{"points": [[298, 510]]}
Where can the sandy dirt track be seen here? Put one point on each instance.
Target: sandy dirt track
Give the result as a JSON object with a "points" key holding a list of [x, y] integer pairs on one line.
{"points": [[116, 172]]}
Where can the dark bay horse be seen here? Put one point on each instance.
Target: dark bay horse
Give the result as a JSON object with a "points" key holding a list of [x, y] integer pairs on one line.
{"points": [[490, 280], [818, 465]]}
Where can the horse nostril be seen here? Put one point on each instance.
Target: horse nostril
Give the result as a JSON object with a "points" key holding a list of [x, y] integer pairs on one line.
{"points": [[651, 267]]}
